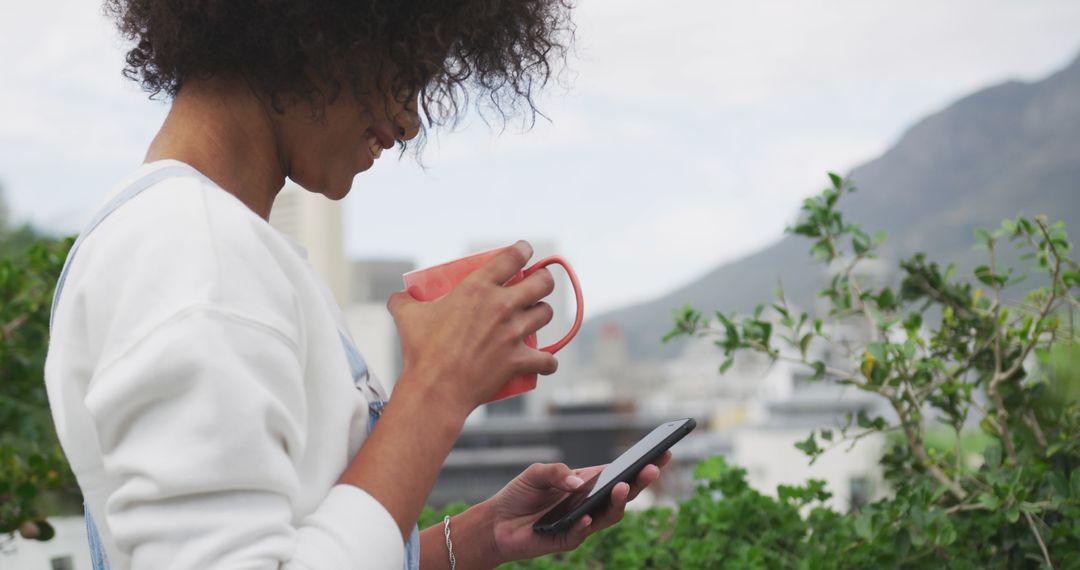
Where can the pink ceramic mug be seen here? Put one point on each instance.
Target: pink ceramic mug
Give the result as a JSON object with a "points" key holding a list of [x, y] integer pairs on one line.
{"points": [[434, 282]]}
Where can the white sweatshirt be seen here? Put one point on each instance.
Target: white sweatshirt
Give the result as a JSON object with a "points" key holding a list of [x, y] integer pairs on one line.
{"points": [[202, 396]]}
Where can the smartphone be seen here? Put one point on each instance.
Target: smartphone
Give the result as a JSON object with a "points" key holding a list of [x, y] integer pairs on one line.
{"points": [[595, 492]]}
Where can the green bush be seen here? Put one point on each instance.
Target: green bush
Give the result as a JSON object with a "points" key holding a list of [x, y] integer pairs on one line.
{"points": [[985, 394], [35, 479]]}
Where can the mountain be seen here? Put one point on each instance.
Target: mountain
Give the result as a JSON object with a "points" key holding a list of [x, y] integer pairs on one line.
{"points": [[1007, 149]]}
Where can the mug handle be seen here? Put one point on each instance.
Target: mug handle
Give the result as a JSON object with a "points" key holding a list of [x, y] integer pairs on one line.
{"points": [[557, 259]]}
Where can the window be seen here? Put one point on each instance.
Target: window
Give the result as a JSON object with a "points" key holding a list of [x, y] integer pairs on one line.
{"points": [[62, 563], [858, 493]]}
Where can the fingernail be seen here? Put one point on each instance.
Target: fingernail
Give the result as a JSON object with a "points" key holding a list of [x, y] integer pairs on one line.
{"points": [[574, 481]]}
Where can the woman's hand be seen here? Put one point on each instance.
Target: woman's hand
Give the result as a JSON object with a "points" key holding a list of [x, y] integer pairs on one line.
{"points": [[537, 490], [461, 348]]}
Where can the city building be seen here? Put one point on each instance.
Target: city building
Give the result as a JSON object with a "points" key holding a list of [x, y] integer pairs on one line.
{"points": [[371, 283], [360, 287], [315, 222]]}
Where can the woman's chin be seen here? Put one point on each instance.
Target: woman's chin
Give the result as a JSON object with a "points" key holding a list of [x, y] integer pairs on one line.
{"points": [[333, 187], [338, 191]]}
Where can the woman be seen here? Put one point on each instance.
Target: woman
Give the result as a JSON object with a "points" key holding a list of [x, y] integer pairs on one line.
{"points": [[206, 391]]}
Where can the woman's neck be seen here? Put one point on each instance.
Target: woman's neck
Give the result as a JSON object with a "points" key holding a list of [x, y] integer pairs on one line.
{"points": [[224, 131]]}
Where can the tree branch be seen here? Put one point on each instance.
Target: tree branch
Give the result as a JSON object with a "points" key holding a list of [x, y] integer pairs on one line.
{"points": [[920, 453], [994, 390], [10, 327], [955, 374], [1039, 538], [1033, 423]]}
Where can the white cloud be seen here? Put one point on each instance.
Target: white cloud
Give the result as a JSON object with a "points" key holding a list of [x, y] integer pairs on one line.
{"points": [[717, 54], [689, 137]]}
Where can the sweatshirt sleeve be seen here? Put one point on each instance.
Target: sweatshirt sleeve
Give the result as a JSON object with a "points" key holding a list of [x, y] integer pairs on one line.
{"points": [[203, 421]]}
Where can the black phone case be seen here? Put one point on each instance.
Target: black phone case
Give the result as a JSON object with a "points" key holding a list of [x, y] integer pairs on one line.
{"points": [[626, 476]]}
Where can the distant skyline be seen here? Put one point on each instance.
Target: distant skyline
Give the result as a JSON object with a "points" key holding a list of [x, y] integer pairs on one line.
{"points": [[687, 138]]}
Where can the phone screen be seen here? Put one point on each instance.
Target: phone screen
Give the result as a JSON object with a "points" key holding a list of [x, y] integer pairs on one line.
{"points": [[616, 470], [624, 461]]}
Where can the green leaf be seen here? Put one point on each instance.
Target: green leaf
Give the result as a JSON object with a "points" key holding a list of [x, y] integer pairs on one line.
{"points": [[809, 446], [946, 535], [837, 181], [730, 332], [1013, 514], [1074, 483], [804, 342], [830, 197], [989, 501], [886, 300], [1058, 484], [1030, 508], [983, 235], [860, 242], [985, 275], [726, 364], [917, 537], [822, 250]]}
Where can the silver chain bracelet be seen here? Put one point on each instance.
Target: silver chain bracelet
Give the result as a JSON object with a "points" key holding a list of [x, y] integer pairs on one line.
{"points": [[449, 543]]}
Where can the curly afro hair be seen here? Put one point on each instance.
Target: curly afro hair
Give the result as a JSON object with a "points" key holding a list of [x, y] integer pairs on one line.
{"points": [[500, 51]]}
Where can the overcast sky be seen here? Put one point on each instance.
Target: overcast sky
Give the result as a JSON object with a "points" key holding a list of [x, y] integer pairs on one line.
{"points": [[690, 132]]}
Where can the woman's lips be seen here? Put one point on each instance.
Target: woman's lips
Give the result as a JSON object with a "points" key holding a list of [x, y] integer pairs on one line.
{"points": [[374, 146]]}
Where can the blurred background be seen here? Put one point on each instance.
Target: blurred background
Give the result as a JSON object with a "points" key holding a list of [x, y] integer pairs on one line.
{"points": [[675, 150]]}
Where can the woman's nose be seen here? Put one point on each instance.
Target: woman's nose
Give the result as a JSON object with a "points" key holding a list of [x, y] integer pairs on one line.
{"points": [[407, 122]]}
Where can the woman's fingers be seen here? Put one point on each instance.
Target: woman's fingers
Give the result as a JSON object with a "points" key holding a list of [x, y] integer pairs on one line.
{"points": [[646, 477], [531, 289], [506, 264], [663, 459], [531, 361], [547, 475], [587, 473], [614, 510], [577, 534], [535, 317], [399, 300]]}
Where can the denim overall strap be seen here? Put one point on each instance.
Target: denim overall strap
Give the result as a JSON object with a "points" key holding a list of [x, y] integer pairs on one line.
{"points": [[357, 365], [360, 375], [98, 558], [134, 189]]}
